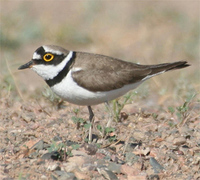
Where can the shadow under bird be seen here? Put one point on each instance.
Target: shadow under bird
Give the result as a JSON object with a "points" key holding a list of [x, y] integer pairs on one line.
{"points": [[88, 79]]}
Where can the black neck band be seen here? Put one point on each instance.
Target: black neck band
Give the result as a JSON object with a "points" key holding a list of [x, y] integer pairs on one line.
{"points": [[61, 75]]}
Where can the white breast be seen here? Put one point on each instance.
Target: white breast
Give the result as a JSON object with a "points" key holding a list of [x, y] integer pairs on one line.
{"points": [[68, 90]]}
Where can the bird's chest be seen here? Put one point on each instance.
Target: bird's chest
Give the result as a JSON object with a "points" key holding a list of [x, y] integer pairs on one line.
{"points": [[70, 91]]}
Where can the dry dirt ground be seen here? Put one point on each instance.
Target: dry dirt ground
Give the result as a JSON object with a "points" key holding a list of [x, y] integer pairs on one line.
{"points": [[41, 141], [156, 135]]}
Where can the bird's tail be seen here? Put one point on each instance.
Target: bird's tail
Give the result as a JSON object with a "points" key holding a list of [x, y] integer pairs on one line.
{"points": [[159, 68]]}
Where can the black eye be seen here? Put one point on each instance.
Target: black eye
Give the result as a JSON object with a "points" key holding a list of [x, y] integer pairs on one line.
{"points": [[48, 57]]}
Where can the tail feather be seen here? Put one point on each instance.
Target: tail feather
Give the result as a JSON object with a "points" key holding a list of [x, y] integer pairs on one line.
{"points": [[161, 68], [168, 67]]}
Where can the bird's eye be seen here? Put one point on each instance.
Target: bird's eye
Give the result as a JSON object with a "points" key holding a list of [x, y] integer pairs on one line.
{"points": [[48, 57]]}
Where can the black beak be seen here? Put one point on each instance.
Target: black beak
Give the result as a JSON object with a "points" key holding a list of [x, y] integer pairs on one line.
{"points": [[27, 65]]}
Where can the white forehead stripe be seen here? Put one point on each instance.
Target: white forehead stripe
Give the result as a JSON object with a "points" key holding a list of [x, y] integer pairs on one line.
{"points": [[36, 56], [49, 49]]}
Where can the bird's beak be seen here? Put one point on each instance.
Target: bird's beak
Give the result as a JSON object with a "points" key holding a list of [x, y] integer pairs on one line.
{"points": [[27, 65]]}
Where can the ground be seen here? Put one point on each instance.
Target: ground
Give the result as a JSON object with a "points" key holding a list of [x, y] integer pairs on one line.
{"points": [[155, 129]]}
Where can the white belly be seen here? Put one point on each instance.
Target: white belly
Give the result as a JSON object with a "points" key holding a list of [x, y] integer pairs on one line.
{"points": [[68, 90]]}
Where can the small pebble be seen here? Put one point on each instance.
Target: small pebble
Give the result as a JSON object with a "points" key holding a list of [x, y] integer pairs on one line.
{"points": [[52, 155], [107, 173], [156, 166], [179, 141], [139, 135], [53, 167], [114, 167], [43, 177]]}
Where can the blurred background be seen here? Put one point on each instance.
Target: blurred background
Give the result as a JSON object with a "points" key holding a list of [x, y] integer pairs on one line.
{"points": [[145, 32]]}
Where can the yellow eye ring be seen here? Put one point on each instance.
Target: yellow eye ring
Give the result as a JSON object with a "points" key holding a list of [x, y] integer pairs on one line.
{"points": [[48, 57]]}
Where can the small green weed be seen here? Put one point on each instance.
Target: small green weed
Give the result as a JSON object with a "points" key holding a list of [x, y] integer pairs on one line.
{"points": [[171, 110], [182, 112], [56, 146], [155, 115], [80, 122], [105, 132], [72, 147], [21, 177], [75, 146], [118, 104], [61, 149], [77, 120]]}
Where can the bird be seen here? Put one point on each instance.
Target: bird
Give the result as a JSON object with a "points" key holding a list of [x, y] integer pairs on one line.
{"points": [[89, 79]]}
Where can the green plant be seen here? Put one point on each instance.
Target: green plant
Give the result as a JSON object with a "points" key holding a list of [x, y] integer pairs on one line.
{"points": [[56, 146], [80, 121], [182, 111], [77, 120], [171, 110], [21, 177], [61, 149], [108, 131], [105, 132], [155, 115], [118, 104], [73, 147]]}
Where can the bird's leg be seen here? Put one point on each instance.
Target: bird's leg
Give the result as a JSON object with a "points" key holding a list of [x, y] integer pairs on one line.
{"points": [[91, 115]]}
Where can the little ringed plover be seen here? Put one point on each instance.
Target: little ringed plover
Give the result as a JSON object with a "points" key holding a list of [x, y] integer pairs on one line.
{"points": [[88, 79]]}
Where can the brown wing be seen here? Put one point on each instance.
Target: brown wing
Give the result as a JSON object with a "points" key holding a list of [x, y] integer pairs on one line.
{"points": [[102, 73]]}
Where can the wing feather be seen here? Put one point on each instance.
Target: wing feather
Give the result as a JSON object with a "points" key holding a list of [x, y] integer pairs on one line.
{"points": [[102, 73]]}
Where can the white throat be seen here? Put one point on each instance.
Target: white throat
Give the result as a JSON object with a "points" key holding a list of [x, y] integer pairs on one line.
{"points": [[50, 71]]}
